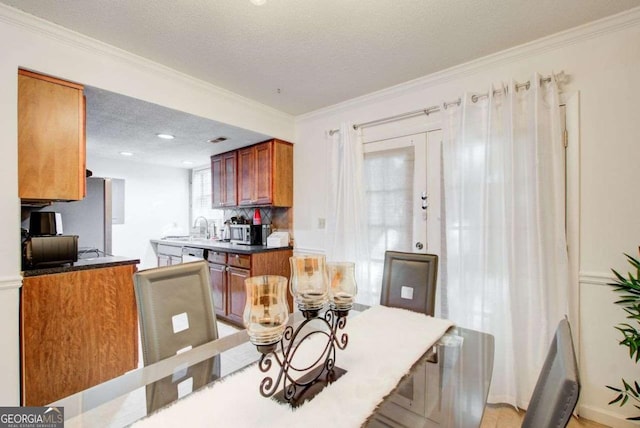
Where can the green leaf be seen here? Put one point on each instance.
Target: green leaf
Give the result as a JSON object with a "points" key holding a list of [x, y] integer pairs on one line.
{"points": [[624, 400], [614, 389], [620, 277], [615, 400]]}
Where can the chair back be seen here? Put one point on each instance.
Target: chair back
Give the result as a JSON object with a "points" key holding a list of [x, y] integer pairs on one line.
{"points": [[558, 386], [409, 281], [175, 309]]}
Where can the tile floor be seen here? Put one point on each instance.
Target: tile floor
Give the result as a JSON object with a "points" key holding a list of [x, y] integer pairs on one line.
{"points": [[503, 416]]}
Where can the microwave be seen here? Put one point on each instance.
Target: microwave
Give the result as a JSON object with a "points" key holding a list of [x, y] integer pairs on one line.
{"points": [[245, 234]]}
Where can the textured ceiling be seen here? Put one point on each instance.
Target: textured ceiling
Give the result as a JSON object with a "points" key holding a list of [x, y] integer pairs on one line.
{"points": [[294, 55], [116, 123], [301, 55]]}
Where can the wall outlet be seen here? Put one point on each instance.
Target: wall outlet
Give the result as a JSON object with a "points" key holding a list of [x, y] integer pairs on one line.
{"points": [[321, 223]]}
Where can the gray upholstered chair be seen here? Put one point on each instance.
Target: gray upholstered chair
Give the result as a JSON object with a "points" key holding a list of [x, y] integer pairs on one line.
{"points": [[558, 386], [175, 311], [409, 281]]}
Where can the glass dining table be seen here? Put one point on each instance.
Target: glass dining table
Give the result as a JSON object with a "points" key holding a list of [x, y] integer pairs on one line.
{"points": [[446, 387]]}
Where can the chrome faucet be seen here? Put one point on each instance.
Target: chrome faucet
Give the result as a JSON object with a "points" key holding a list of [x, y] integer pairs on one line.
{"points": [[206, 226]]}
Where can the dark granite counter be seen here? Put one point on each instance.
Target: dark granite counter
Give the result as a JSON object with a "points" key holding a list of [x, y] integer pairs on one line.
{"points": [[82, 264], [224, 247]]}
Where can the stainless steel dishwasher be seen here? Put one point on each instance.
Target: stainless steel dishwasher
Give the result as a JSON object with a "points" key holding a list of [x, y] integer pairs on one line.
{"points": [[192, 254]]}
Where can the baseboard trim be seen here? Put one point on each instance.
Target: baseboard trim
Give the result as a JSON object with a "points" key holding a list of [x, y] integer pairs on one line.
{"points": [[604, 416], [596, 278], [10, 282]]}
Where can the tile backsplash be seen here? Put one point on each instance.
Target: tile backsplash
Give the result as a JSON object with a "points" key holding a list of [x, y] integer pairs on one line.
{"points": [[278, 217]]}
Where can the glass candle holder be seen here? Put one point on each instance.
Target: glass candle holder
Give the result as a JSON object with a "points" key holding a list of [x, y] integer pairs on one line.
{"points": [[342, 284], [309, 285], [266, 311]]}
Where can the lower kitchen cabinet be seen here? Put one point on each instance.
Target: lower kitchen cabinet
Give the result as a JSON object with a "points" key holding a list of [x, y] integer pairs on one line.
{"points": [[169, 255], [77, 329], [218, 278], [237, 295], [228, 272]]}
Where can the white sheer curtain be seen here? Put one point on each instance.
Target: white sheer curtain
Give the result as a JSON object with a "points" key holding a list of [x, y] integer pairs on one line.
{"points": [[346, 233], [506, 262]]}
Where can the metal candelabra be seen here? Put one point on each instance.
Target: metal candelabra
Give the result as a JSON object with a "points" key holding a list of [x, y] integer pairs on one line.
{"points": [[303, 383]]}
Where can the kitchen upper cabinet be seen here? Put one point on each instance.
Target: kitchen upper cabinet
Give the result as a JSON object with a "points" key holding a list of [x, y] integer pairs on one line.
{"points": [[223, 180], [51, 139], [246, 172], [265, 174]]}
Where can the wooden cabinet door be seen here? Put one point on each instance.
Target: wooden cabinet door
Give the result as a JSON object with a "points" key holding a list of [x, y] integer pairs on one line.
{"points": [[217, 180], [223, 180], [164, 260], [51, 138], [218, 282], [246, 172], [263, 174], [237, 294], [229, 180], [78, 329]]}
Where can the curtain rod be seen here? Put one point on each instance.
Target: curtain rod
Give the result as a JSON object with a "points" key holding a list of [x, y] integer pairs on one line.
{"points": [[433, 109]]}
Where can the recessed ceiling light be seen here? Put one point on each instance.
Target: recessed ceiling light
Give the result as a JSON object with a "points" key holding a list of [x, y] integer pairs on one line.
{"points": [[126, 153], [217, 140], [165, 136], [187, 163]]}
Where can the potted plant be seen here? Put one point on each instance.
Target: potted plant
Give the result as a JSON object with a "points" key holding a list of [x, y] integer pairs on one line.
{"points": [[629, 289]]}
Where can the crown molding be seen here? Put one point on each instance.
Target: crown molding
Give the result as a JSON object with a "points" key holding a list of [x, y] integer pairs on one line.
{"points": [[10, 282], [34, 24], [571, 36]]}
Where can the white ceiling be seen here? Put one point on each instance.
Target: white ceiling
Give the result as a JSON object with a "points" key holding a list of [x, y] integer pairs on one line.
{"points": [[301, 55], [117, 123]]}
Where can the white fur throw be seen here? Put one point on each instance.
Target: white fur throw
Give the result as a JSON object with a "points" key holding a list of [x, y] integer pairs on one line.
{"points": [[383, 345]]}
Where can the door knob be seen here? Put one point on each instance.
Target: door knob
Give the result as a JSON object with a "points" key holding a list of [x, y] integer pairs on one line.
{"points": [[419, 245]]}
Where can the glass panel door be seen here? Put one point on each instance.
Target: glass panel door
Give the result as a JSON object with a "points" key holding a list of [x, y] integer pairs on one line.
{"points": [[402, 185]]}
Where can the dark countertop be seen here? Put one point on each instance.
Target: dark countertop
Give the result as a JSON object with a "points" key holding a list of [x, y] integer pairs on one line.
{"points": [[224, 247], [82, 264]]}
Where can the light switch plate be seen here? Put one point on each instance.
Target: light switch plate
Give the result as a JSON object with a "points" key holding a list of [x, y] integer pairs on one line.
{"points": [[406, 292]]}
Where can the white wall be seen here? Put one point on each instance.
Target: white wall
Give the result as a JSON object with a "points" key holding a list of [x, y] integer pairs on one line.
{"points": [[603, 60], [155, 196], [35, 44]]}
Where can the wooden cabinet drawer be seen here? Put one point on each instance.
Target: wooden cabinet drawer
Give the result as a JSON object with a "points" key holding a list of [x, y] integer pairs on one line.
{"points": [[239, 260], [217, 257]]}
